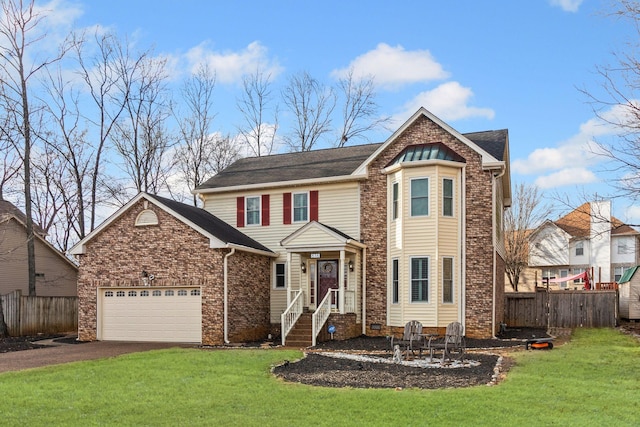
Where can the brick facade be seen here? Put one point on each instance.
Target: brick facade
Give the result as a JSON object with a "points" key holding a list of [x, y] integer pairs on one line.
{"points": [[478, 228], [176, 255]]}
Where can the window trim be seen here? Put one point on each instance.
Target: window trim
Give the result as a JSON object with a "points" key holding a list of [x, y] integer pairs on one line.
{"points": [[412, 198], [445, 198], [581, 247], [411, 278], [293, 207], [275, 275], [451, 279], [247, 211]]}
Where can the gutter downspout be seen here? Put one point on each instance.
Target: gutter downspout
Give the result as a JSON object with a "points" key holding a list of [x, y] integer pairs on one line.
{"points": [[364, 291], [463, 250], [226, 295], [495, 256]]}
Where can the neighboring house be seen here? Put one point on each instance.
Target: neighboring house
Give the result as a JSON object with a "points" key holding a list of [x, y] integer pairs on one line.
{"points": [[56, 274], [586, 239], [372, 235]]}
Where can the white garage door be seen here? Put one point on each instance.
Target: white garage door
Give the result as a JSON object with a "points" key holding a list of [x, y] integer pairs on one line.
{"points": [[147, 314]]}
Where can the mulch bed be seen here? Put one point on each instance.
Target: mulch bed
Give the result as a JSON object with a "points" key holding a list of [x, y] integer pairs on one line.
{"points": [[320, 370]]}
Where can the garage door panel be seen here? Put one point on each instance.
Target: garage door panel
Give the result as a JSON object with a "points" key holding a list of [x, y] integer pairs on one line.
{"points": [[170, 315]]}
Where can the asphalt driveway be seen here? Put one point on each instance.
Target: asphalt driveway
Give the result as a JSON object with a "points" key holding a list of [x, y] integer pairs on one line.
{"points": [[64, 353]]}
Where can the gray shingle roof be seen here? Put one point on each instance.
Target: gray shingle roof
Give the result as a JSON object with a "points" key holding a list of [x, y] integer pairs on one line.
{"points": [[211, 224], [323, 163], [491, 141], [292, 166]]}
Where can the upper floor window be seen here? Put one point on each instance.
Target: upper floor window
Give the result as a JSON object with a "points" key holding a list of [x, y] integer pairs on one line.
{"points": [[420, 197], [300, 207], [252, 210], [622, 247], [579, 248], [280, 276], [447, 197], [619, 272], [420, 279], [395, 196], [146, 217]]}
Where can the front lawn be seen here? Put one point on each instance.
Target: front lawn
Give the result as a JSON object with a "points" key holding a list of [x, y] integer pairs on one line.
{"points": [[592, 380]]}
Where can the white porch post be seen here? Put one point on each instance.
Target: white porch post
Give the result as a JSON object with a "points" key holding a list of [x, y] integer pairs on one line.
{"points": [[341, 283], [288, 281]]}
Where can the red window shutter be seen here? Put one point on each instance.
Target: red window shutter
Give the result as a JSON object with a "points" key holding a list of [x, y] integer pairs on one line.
{"points": [[313, 205], [265, 209], [240, 211], [286, 208]]}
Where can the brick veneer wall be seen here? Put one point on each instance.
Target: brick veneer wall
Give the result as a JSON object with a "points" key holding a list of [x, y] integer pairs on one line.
{"points": [[176, 255], [479, 256]]}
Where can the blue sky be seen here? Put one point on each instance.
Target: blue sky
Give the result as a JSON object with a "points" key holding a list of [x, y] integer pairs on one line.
{"points": [[478, 65]]}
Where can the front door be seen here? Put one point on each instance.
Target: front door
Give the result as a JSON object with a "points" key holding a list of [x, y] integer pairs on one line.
{"points": [[327, 279]]}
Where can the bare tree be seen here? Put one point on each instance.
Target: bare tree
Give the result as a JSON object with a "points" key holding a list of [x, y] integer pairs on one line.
{"points": [[9, 158], [102, 71], [141, 137], [254, 104], [619, 106], [311, 104], [197, 142], [19, 36], [526, 212], [360, 110]]}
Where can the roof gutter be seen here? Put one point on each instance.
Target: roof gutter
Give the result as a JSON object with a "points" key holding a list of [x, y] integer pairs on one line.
{"points": [[226, 295]]}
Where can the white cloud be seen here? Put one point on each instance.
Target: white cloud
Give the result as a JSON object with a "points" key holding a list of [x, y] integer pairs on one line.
{"points": [[392, 67], [449, 102], [632, 214], [568, 176], [567, 5], [230, 66]]}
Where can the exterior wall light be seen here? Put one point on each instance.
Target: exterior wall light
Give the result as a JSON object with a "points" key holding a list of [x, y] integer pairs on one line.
{"points": [[350, 265], [303, 267]]}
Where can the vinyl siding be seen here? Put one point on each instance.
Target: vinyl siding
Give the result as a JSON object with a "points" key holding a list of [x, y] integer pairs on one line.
{"points": [[59, 277], [339, 207]]}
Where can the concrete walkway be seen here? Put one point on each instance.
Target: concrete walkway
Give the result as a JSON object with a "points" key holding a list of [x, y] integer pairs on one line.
{"points": [[64, 353]]}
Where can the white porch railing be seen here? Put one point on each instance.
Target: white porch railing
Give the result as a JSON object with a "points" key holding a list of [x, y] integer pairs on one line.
{"points": [[290, 316], [321, 314]]}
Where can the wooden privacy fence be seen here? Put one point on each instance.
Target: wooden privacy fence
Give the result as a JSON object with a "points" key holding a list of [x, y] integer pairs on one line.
{"points": [[561, 309], [27, 315]]}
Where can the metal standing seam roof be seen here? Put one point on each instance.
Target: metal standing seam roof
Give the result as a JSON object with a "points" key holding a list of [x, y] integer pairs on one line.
{"points": [[330, 162], [434, 151]]}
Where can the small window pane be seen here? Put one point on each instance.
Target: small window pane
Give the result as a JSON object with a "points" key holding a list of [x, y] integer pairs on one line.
{"points": [[195, 292], [157, 293], [133, 293], [144, 293], [108, 294], [395, 200], [120, 293], [182, 292], [168, 293]]}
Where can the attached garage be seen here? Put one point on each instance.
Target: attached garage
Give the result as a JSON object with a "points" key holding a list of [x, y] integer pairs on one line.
{"points": [[150, 314]]}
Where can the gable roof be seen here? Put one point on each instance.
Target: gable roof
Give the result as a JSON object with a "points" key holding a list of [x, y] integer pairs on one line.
{"points": [[628, 275], [9, 210], [577, 223], [220, 234], [346, 163]]}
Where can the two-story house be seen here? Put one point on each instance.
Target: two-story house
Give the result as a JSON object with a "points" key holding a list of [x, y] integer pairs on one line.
{"points": [[586, 239], [361, 238]]}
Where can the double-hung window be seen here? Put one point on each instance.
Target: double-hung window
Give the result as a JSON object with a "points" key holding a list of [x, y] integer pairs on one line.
{"points": [[300, 207], [252, 211], [579, 248], [420, 197], [280, 276], [447, 197], [420, 279]]}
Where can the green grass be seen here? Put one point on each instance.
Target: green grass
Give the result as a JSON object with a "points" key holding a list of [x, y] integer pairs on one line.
{"points": [[594, 380]]}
